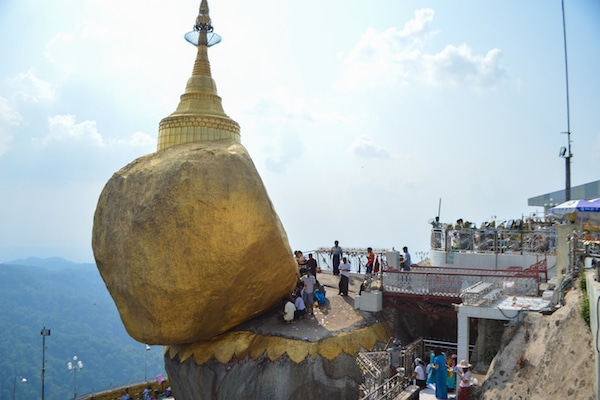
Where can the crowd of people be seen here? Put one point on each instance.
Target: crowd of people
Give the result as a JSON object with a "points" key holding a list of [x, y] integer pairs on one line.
{"points": [[301, 302], [308, 291], [443, 375]]}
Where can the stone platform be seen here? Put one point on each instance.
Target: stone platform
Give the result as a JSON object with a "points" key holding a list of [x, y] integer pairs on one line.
{"points": [[311, 358]]}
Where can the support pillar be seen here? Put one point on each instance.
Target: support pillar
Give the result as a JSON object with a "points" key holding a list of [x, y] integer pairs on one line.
{"points": [[463, 337], [562, 249]]}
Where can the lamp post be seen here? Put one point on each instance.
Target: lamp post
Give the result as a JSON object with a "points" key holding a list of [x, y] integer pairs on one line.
{"points": [[548, 206], [146, 363], [75, 366], [45, 332], [22, 380], [565, 152]]}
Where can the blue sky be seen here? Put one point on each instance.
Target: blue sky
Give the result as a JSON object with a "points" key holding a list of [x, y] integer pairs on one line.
{"points": [[359, 116]]}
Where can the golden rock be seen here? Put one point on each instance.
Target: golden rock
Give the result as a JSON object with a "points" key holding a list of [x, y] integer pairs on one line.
{"points": [[189, 245]]}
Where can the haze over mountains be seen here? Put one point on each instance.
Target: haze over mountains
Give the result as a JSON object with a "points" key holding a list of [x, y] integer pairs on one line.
{"points": [[72, 301]]}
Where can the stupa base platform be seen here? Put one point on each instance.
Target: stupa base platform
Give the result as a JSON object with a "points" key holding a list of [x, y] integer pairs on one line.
{"points": [[312, 358]]}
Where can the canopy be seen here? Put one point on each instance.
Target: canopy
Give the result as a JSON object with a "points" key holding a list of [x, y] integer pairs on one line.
{"points": [[579, 206]]}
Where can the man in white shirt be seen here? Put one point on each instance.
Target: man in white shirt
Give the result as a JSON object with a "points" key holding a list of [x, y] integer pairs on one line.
{"points": [[288, 311], [344, 277], [309, 282]]}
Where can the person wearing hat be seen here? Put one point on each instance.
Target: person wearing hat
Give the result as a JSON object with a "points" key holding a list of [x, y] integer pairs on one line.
{"points": [[419, 374], [464, 373]]}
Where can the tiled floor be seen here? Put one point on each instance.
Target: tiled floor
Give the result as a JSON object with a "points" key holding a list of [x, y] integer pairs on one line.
{"points": [[429, 394]]}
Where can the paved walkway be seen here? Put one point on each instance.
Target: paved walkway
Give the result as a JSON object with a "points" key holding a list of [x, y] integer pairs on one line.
{"points": [[429, 394], [336, 316]]}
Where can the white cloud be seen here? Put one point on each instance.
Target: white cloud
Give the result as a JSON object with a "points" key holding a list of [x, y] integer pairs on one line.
{"points": [[31, 89], [365, 146], [399, 57], [458, 66], [8, 114], [63, 128], [139, 139], [419, 25]]}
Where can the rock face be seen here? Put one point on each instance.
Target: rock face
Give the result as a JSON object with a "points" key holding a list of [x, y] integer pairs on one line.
{"points": [[311, 358], [545, 357], [187, 240], [313, 378]]}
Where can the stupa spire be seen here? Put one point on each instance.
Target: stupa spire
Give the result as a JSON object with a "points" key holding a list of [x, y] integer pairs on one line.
{"points": [[199, 115]]}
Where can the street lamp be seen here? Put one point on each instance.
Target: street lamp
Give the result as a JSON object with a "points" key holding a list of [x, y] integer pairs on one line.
{"points": [[75, 366], [22, 380], [45, 332], [146, 363]]}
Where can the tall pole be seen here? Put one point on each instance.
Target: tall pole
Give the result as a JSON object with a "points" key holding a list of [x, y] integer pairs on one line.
{"points": [[45, 332], [74, 366], [568, 155], [75, 384], [146, 363]]}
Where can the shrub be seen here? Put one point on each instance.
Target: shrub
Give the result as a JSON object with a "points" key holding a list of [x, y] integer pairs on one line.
{"points": [[585, 301]]}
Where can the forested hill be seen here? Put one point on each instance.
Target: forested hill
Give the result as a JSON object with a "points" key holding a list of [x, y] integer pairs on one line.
{"points": [[72, 301]]}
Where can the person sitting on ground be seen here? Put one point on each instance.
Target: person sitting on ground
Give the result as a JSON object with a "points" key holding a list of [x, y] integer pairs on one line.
{"points": [[319, 293], [320, 287], [300, 307], [288, 310]]}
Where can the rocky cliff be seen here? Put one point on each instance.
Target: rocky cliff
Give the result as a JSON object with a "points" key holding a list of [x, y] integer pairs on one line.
{"points": [[544, 357]]}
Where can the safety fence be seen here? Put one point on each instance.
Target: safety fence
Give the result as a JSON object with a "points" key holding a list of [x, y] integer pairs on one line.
{"points": [[452, 282], [539, 241], [387, 372]]}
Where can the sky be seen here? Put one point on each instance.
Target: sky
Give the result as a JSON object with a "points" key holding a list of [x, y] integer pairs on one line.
{"points": [[364, 119]]}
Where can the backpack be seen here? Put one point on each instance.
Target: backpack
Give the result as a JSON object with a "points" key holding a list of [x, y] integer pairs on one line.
{"points": [[320, 297]]}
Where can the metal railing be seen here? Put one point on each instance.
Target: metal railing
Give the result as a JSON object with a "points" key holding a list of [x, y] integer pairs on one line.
{"points": [[381, 381], [489, 240], [356, 256], [451, 282]]}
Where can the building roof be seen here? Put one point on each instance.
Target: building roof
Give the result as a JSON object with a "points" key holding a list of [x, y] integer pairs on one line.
{"points": [[589, 190]]}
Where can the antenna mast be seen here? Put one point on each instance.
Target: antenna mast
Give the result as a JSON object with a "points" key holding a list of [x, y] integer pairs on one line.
{"points": [[566, 153]]}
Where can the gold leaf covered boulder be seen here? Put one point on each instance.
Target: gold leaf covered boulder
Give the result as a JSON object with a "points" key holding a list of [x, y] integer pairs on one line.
{"points": [[189, 245], [186, 239]]}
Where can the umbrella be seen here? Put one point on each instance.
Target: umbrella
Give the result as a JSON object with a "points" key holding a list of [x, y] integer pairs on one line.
{"points": [[579, 206]]}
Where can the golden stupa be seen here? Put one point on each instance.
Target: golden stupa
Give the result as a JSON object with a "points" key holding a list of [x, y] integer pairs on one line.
{"points": [[186, 239], [195, 257]]}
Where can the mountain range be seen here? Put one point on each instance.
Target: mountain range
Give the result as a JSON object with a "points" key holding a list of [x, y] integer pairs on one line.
{"points": [[70, 300]]}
